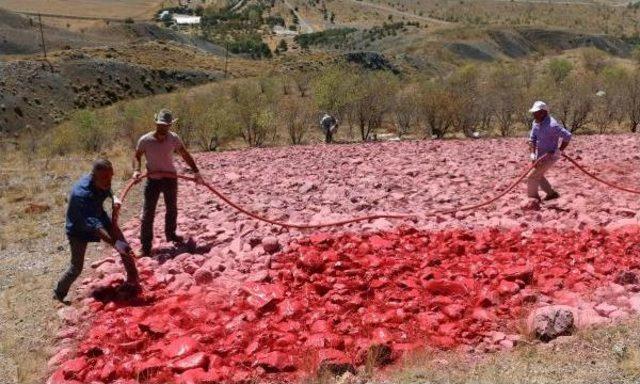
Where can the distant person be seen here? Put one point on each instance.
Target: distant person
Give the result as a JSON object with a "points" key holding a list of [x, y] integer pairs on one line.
{"points": [[329, 126], [158, 147], [87, 222], [546, 133]]}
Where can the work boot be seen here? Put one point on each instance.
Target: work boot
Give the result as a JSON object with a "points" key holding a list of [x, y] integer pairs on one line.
{"points": [[131, 288], [144, 252], [176, 239], [552, 196], [532, 205], [59, 297]]}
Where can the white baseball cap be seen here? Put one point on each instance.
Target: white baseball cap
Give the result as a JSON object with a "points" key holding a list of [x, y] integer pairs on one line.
{"points": [[539, 106]]}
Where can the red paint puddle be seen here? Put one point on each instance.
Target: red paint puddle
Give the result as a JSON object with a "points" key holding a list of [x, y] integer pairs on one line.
{"points": [[336, 302]]}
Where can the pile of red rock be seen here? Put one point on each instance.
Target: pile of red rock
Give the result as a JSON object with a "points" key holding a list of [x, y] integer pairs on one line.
{"points": [[337, 303], [247, 300]]}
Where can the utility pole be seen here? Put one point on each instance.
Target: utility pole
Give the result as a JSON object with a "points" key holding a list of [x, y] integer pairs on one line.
{"points": [[226, 56], [44, 47]]}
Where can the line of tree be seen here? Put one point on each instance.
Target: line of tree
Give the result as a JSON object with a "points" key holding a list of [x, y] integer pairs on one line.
{"points": [[490, 100]]}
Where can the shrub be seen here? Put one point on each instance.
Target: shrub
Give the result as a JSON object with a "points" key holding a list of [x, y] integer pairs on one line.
{"points": [[559, 69], [330, 37], [296, 116], [252, 45], [82, 133]]}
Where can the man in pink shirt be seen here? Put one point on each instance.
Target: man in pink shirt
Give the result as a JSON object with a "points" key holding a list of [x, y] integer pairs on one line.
{"points": [[158, 147]]}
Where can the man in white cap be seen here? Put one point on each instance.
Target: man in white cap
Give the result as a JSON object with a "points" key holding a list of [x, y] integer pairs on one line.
{"points": [[546, 133], [158, 147]]}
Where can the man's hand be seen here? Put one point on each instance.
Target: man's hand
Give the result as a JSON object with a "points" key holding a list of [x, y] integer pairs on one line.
{"points": [[117, 203], [137, 176], [122, 247], [533, 156], [198, 178]]}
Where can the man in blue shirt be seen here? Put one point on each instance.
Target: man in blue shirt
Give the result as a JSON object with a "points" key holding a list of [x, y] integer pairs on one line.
{"points": [[546, 133], [87, 222]]}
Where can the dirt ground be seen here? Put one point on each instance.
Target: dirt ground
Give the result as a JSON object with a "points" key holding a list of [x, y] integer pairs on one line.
{"points": [[33, 253]]}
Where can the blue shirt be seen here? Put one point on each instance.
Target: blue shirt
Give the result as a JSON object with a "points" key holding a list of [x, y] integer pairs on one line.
{"points": [[545, 135], [85, 214]]}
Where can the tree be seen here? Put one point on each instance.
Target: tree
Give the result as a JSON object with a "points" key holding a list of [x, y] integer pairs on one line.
{"points": [[302, 82], [632, 99], [610, 98], [297, 116], [504, 90], [574, 101], [464, 107], [216, 125], [334, 90], [283, 46], [372, 101], [253, 111], [405, 109], [434, 108]]}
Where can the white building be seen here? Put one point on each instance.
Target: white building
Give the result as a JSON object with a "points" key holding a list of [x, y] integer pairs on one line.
{"points": [[163, 14], [186, 19]]}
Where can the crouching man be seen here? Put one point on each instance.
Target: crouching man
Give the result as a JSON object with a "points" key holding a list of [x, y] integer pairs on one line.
{"points": [[329, 126], [87, 222]]}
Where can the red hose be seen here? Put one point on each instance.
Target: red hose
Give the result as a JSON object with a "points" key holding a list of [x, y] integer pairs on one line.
{"points": [[607, 183], [237, 207]]}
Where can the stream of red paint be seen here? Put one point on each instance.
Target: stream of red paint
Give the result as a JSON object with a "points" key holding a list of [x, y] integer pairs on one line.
{"points": [[331, 299]]}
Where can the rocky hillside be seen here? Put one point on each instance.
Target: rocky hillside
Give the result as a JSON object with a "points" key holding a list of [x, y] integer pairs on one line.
{"points": [[38, 94]]}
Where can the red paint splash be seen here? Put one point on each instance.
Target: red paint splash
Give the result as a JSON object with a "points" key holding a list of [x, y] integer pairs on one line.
{"points": [[334, 302]]}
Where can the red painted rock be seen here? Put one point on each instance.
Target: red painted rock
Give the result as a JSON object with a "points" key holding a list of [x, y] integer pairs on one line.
{"points": [[334, 361], [547, 323], [522, 273], [270, 244], [275, 362], [263, 296], [203, 276], [181, 347], [445, 287], [604, 309], [626, 278], [311, 262], [454, 311], [508, 288], [199, 376], [437, 288], [197, 360], [150, 367]]}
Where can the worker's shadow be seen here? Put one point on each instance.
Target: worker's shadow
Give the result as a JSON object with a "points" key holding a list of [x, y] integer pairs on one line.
{"points": [[557, 208], [122, 295], [168, 252]]}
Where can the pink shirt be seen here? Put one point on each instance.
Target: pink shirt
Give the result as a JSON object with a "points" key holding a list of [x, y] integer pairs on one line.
{"points": [[159, 154]]}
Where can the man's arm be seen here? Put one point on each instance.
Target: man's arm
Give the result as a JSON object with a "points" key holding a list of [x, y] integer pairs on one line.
{"points": [[191, 162], [137, 163], [566, 137], [533, 143], [188, 159]]}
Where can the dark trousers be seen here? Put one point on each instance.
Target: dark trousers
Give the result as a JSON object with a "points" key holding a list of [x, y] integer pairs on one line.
{"points": [[78, 251], [328, 136], [152, 190]]}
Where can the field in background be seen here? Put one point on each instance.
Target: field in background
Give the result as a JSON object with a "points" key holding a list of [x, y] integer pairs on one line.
{"points": [[120, 9], [581, 16]]}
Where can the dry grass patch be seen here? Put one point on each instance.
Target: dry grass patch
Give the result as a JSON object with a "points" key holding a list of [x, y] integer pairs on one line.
{"points": [[602, 355]]}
